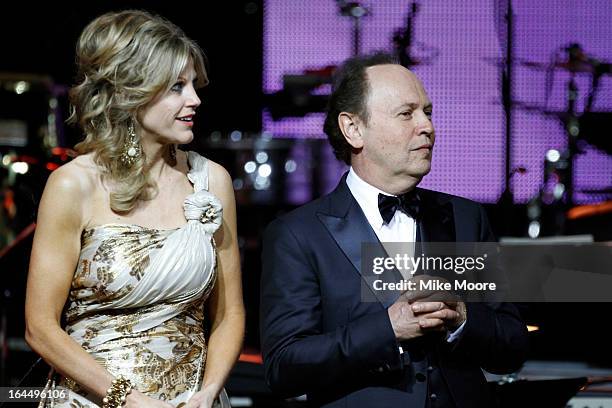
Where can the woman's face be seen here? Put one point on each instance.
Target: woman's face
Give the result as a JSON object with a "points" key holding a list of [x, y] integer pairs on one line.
{"points": [[169, 117]]}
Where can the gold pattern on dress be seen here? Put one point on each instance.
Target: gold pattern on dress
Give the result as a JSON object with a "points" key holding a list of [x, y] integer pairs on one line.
{"points": [[77, 404], [95, 281], [86, 237], [155, 369], [82, 271]]}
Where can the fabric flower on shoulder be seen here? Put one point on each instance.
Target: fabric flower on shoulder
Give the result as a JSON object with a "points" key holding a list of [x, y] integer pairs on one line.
{"points": [[204, 207]]}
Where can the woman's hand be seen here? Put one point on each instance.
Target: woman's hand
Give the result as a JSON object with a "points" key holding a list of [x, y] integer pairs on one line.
{"points": [[201, 399], [136, 399]]}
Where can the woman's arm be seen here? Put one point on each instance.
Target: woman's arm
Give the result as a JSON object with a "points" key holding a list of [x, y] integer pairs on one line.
{"points": [[225, 306], [55, 254]]}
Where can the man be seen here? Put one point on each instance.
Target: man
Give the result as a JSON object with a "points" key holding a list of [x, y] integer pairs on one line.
{"points": [[318, 335]]}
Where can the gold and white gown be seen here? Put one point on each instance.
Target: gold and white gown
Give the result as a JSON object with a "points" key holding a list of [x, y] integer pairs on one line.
{"points": [[137, 299]]}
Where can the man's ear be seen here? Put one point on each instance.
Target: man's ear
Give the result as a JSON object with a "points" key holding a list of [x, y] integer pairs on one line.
{"points": [[350, 125]]}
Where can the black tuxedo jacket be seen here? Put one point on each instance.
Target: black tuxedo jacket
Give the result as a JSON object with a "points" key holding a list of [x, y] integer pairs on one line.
{"points": [[319, 338]]}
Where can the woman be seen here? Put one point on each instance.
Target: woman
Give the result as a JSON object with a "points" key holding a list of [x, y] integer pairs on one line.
{"points": [[139, 237]]}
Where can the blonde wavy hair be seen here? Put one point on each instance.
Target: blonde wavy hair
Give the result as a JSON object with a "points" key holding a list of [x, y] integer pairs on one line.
{"points": [[125, 60]]}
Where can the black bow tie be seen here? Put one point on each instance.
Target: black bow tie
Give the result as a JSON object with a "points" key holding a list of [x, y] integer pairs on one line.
{"points": [[410, 203]]}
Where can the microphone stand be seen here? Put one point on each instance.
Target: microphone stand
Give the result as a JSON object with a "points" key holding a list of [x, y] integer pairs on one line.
{"points": [[356, 12], [506, 200], [572, 124], [402, 39]]}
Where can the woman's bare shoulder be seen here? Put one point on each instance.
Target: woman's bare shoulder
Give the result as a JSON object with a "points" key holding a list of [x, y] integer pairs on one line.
{"points": [[219, 179], [215, 169], [75, 179]]}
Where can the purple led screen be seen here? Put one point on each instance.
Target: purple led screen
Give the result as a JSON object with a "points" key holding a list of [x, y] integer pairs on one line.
{"points": [[458, 44]]}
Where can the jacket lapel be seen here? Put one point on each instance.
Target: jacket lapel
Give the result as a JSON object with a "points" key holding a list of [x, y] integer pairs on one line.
{"points": [[437, 224], [347, 224]]}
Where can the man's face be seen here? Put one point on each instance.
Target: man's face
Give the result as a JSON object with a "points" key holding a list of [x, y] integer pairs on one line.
{"points": [[399, 137]]}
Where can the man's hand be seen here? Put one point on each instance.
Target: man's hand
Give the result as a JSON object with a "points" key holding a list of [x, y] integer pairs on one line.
{"points": [[406, 325], [417, 312], [436, 304], [453, 314], [431, 295]]}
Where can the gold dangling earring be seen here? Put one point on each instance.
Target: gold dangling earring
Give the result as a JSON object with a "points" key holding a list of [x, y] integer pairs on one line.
{"points": [[131, 147]]}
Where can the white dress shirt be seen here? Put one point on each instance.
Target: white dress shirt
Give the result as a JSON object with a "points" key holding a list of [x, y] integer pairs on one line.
{"points": [[401, 228]]}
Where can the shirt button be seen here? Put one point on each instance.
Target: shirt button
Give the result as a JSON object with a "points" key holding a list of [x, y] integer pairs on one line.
{"points": [[430, 369], [433, 396], [420, 377]]}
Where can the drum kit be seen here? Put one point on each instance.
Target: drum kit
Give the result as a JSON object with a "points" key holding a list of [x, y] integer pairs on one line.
{"points": [[301, 94], [586, 128], [590, 124]]}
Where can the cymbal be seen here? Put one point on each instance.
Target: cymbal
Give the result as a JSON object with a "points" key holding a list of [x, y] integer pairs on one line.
{"points": [[571, 66]]}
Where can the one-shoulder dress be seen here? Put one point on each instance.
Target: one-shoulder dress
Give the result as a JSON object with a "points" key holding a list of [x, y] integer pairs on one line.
{"points": [[137, 298]]}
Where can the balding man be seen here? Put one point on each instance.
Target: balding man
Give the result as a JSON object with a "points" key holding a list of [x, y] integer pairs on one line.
{"points": [[319, 336]]}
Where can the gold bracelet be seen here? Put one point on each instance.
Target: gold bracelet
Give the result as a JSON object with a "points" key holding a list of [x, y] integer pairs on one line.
{"points": [[116, 394]]}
